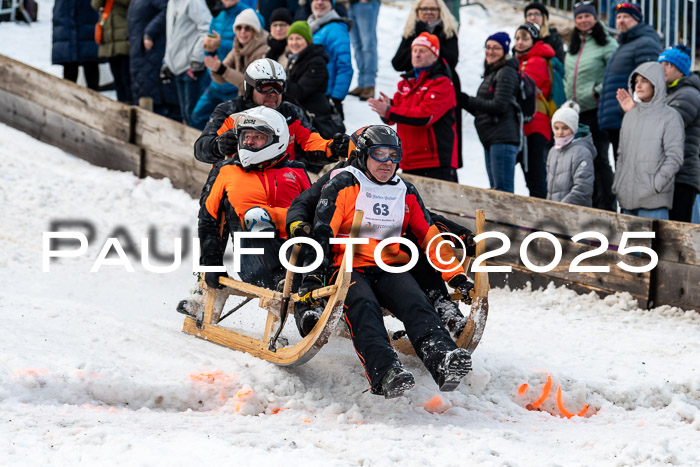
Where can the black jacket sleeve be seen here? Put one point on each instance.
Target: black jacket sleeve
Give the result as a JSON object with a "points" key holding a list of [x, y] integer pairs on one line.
{"points": [[445, 225], [303, 208], [402, 60], [206, 148], [504, 90], [212, 243]]}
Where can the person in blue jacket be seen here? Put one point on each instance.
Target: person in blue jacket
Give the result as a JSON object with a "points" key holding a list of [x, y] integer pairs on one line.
{"points": [[74, 40], [146, 25], [219, 43], [332, 31], [639, 43]]}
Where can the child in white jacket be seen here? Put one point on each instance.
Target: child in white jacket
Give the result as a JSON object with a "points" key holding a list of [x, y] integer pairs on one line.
{"points": [[570, 172]]}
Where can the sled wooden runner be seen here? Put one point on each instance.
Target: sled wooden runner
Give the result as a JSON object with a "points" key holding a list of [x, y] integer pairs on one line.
{"points": [[207, 325], [476, 322]]}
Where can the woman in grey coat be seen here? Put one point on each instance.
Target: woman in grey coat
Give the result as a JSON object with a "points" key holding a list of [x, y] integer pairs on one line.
{"points": [[570, 173], [651, 145]]}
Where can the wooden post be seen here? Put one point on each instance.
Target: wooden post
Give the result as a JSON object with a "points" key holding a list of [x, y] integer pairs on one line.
{"points": [[146, 103]]}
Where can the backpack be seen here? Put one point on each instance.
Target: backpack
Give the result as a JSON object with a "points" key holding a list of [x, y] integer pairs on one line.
{"points": [[526, 96], [557, 95]]}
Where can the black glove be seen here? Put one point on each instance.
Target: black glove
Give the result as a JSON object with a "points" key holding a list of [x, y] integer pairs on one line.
{"points": [[227, 143], [338, 104], [212, 279], [421, 26], [467, 237], [299, 229], [464, 285], [166, 76], [310, 283], [339, 146]]}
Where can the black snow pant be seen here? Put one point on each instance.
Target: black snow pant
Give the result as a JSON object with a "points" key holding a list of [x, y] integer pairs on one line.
{"points": [[263, 270], [429, 279], [373, 288], [683, 201], [536, 173]]}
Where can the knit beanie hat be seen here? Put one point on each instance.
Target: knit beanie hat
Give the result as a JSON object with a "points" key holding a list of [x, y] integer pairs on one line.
{"points": [[532, 28], [303, 29], [536, 6], [281, 14], [568, 115], [679, 56], [428, 40], [249, 18], [502, 38], [631, 9], [585, 6]]}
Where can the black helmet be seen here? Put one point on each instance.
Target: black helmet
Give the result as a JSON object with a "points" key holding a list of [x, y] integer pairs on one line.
{"points": [[374, 135]]}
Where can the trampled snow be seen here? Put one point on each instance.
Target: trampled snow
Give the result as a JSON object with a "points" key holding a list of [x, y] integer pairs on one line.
{"points": [[94, 368]]}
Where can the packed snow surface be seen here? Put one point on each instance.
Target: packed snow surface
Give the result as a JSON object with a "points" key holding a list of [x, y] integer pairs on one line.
{"points": [[94, 368]]}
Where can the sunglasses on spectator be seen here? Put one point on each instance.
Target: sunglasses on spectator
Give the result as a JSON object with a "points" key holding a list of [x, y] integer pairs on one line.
{"points": [[385, 154], [583, 3], [495, 48], [429, 9], [536, 14], [625, 5], [270, 86], [244, 27]]}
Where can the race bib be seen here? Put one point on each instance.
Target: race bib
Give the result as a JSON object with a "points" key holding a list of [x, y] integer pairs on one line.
{"points": [[383, 206]]}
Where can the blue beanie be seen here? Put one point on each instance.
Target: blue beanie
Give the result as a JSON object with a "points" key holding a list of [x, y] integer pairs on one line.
{"points": [[679, 56], [502, 38]]}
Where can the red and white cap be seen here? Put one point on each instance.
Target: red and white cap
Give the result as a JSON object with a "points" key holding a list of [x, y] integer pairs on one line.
{"points": [[428, 40]]}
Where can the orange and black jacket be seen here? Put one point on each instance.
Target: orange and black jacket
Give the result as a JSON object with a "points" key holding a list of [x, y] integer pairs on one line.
{"points": [[303, 207], [335, 212], [304, 140], [231, 190]]}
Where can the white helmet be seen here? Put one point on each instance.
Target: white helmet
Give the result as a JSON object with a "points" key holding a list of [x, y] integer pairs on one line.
{"points": [[257, 219], [261, 71], [267, 121]]}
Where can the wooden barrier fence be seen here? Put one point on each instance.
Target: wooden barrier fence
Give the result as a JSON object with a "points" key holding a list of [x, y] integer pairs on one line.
{"points": [[121, 137]]}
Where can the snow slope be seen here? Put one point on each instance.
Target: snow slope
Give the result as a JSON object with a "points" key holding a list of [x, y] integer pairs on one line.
{"points": [[94, 368]]}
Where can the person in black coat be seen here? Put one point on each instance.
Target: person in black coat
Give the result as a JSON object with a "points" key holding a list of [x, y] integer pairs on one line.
{"points": [[74, 40], [434, 17], [307, 79], [496, 114], [146, 26]]}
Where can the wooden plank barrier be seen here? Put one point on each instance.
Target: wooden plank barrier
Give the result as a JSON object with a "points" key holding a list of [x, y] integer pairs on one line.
{"points": [[128, 138]]}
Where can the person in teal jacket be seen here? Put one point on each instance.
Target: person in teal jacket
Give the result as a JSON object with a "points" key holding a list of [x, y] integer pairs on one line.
{"points": [[333, 33], [219, 43], [590, 48]]}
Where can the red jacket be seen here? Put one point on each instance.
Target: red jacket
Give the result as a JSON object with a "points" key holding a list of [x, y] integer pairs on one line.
{"points": [[534, 64], [424, 111]]}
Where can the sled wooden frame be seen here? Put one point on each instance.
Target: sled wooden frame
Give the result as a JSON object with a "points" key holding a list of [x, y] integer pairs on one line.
{"points": [[206, 324]]}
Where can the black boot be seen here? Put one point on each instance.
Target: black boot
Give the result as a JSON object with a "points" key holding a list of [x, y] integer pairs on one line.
{"points": [[307, 315], [453, 368], [449, 314], [396, 381]]}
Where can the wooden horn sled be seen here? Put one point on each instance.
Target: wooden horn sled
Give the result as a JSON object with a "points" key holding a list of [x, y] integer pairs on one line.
{"points": [[206, 324]]}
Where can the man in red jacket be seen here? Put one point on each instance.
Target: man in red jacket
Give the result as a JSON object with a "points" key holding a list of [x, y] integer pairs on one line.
{"points": [[424, 109]]}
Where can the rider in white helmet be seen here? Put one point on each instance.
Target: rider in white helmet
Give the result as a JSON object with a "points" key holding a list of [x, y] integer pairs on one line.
{"points": [[251, 191], [265, 84]]}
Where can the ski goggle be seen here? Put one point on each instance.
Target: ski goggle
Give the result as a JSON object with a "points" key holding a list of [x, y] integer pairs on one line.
{"points": [[386, 153], [270, 86]]}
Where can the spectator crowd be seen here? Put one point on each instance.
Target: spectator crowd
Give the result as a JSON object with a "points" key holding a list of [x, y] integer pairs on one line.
{"points": [[554, 109]]}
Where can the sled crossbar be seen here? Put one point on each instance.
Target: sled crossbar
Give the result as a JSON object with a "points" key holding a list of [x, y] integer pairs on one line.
{"points": [[206, 325]]}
